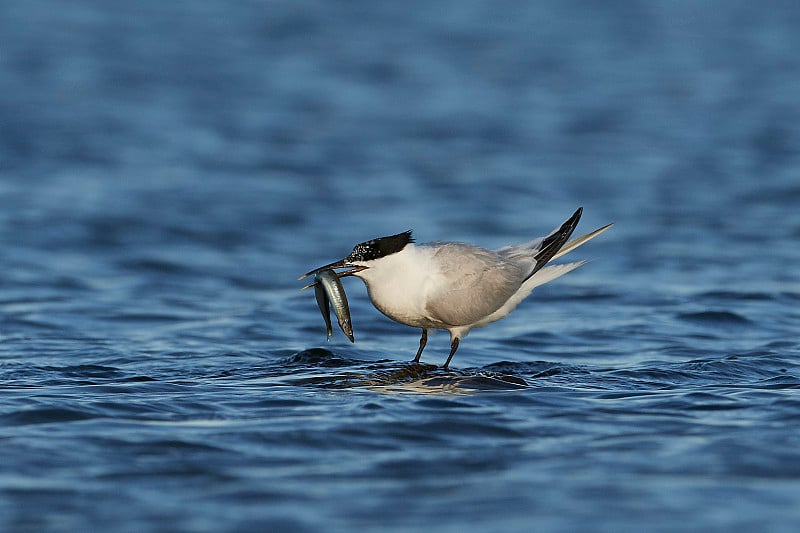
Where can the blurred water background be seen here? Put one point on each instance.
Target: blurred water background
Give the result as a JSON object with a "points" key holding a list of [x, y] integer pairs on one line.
{"points": [[168, 169]]}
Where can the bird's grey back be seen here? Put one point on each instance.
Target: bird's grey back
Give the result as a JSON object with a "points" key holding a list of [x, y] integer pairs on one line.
{"points": [[477, 283]]}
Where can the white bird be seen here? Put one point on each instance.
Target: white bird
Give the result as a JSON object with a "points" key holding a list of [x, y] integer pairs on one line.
{"points": [[456, 286]]}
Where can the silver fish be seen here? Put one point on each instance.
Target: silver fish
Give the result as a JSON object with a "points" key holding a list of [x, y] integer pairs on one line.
{"points": [[338, 299], [324, 307], [330, 294]]}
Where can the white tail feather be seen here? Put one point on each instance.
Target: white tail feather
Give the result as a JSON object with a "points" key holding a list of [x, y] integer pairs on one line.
{"points": [[574, 243]]}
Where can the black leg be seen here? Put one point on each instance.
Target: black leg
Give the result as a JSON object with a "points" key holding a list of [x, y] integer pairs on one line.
{"points": [[453, 348], [422, 342]]}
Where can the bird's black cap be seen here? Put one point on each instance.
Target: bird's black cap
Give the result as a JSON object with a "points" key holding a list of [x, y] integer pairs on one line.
{"points": [[380, 247]]}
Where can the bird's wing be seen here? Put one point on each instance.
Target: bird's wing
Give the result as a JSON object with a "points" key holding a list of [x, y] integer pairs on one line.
{"points": [[553, 242], [548, 273], [539, 251], [522, 248], [472, 283]]}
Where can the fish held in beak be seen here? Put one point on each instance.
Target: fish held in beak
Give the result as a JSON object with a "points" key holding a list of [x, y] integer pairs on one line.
{"points": [[342, 263]]}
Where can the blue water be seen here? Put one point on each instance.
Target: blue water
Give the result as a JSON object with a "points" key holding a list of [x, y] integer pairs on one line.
{"points": [[168, 169]]}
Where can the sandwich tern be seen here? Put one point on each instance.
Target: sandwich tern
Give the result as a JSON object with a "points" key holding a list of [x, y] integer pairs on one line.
{"points": [[456, 286]]}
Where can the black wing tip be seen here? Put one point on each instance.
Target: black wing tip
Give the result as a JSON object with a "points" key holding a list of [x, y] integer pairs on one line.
{"points": [[553, 243], [565, 230], [570, 224]]}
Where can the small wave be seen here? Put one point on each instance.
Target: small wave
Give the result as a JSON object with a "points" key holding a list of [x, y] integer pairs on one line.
{"points": [[735, 295], [316, 357], [84, 371], [45, 415], [715, 318]]}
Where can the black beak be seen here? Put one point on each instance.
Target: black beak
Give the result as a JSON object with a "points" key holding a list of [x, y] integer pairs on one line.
{"points": [[342, 263]]}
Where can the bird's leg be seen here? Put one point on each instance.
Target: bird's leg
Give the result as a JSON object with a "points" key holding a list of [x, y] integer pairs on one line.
{"points": [[453, 348], [422, 342]]}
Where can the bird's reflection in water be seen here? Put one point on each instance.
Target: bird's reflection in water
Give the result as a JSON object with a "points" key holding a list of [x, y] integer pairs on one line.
{"points": [[313, 368]]}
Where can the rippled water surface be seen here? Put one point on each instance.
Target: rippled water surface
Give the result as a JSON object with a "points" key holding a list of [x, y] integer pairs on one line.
{"points": [[167, 170]]}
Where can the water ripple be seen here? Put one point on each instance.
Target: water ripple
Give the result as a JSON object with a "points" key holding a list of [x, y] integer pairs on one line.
{"points": [[160, 193]]}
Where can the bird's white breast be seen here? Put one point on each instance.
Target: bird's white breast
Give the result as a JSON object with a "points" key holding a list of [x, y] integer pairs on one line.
{"points": [[399, 285]]}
